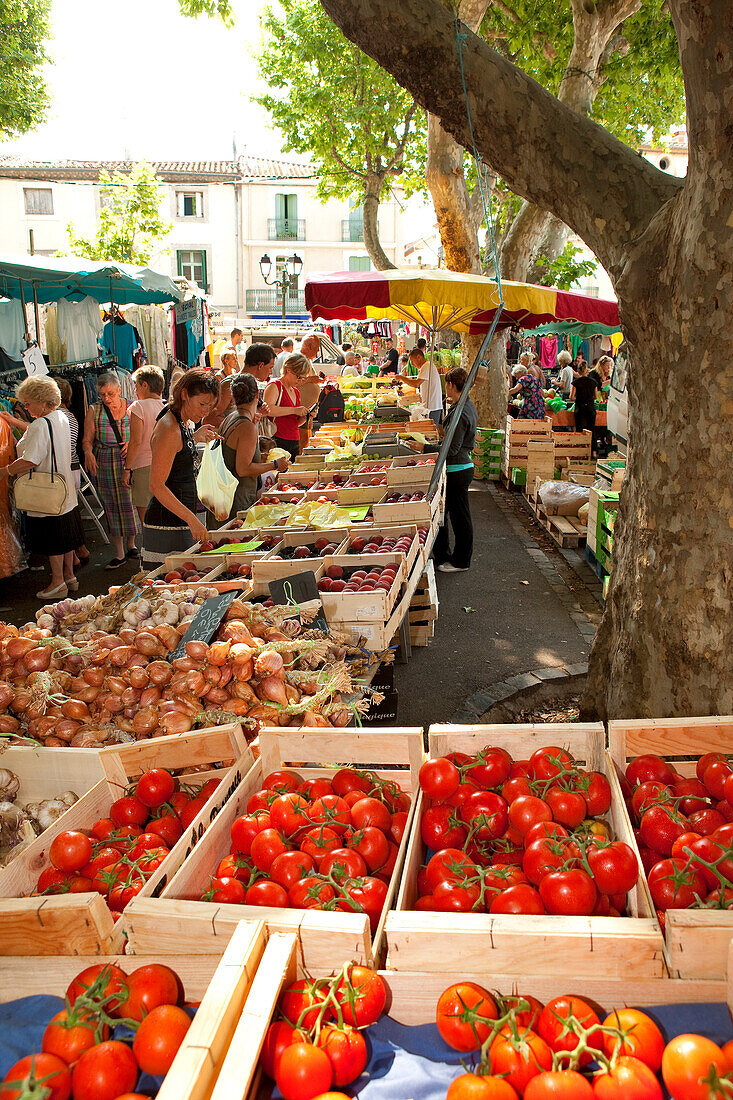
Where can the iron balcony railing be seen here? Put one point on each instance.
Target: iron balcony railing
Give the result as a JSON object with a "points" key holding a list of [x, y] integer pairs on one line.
{"points": [[286, 229]]}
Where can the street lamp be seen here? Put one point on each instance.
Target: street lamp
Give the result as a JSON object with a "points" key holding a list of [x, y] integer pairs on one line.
{"points": [[286, 280]]}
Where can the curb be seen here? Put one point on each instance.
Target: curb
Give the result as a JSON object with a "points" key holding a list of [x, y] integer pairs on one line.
{"points": [[481, 701]]}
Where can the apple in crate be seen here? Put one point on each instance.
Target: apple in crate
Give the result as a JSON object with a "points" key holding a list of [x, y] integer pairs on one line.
{"points": [[302, 552]]}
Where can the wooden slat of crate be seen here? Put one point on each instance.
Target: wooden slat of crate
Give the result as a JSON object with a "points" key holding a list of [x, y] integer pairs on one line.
{"points": [[374, 606], [421, 633], [620, 945], [47, 773], [174, 751], [697, 940], [178, 917], [574, 445], [66, 927], [411, 1001], [222, 987]]}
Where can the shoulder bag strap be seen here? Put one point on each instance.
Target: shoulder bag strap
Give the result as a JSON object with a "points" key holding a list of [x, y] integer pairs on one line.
{"points": [[115, 426], [54, 467]]}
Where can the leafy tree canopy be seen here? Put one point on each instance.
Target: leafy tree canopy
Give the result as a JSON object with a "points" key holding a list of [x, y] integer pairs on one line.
{"points": [[335, 104], [130, 221], [220, 9], [24, 100]]}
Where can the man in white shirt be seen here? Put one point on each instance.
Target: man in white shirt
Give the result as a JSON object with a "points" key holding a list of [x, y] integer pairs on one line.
{"points": [[353, 365], [428, 382], [287, 350], [235, 339]]}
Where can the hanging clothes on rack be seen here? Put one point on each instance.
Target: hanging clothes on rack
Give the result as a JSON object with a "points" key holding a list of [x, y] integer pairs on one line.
{"points": [[548, 352], [123, 343], [152, 324], [55, 347], [12, 328], [188, 319], [79, 327], [127, 386]]}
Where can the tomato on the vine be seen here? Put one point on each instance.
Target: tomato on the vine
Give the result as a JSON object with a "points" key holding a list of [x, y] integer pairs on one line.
{"points": [[520, 1059], [568, 893], [346, 1050], [104, 1072], [464, 1015], [148, 987], [556, 1026], [614, 866], [155, 787], [70, 850], [687, 1062], [34, 1068], [362, 996], [303, 1071], [641, 1037], [559, 1084], [159, 1038], [439, 778]]}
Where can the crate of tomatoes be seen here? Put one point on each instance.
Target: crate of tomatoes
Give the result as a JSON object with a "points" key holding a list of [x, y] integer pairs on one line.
{"points": [[521, 851], [66, 892], [306, 843], [355, 1032], [109, 1027], [677, 777]]}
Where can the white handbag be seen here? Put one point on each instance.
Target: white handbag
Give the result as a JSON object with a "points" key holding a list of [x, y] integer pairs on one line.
{"points": [[39, 491]]}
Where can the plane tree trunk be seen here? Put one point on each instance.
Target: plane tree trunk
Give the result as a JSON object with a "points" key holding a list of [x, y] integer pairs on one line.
{"points": [[665, 645]]}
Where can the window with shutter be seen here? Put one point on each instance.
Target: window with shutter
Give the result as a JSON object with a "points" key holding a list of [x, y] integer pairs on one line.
{"points": [[190, 204], [38, 200]]}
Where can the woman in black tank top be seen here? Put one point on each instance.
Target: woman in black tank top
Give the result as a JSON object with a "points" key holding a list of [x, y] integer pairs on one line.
{"points": [[171, 524]]}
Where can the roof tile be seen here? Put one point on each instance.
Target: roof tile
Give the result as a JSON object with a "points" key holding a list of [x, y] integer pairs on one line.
{"points": [[246, 168]]}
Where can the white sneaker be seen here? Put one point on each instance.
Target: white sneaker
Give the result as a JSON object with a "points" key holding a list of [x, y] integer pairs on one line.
{"points": [[446, 567]]}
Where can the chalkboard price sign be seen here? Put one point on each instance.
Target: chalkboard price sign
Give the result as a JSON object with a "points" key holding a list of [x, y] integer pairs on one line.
{"points": [[296, 589], [206, 621]]}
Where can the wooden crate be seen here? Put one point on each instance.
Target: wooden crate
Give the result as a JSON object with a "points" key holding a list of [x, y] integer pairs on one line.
{"points": [[367, 606], [177, 919], [540, 461], [518, 434], [246, 557], [411, 1001], [528, 944], [265, 569], [395, 532], [403, 471], [569, 466], [573, 445], [82, 923], [425, 604], [567, 531], [697, 940], [414, 511], [221, 985]]}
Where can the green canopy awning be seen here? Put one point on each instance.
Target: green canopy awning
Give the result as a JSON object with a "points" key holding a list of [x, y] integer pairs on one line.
{"points": [[573, 328], [67, 276]]}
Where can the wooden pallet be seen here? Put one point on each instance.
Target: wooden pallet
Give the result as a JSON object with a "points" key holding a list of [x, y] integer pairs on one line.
{"points": [[541, 945], [567, 531], [221, 985], [81, 924], [697, 940], [178, 920]]}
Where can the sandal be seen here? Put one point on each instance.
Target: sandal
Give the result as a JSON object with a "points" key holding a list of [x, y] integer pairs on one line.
{"points": [[56, 593], [134, 553], [72, 584], [115, 563]]}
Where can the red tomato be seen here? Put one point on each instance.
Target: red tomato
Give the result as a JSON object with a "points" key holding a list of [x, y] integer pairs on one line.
{"points": [[522, 898], [303, 1071], [168, 827], [69, 1043], [568, 807], [191, 810], [441, 827], [675, 885], [370, 897], [104, 1072], [450, 898], [113, 980], [397, 828], [155, 787], [645, 767], [314, 789], [346, 1050], [491, 769], [596, 790], [268, 893], [642, 1038], [705, 760], [439, 778], [279, 1035], [318, 842], [226, 889], [520, 1060], [486, 813], [371, 844], [348, 779], [568, 893], [542, 857], [715, 777], [235, 866], [544, 829], [332, 811], [660, 827], [246, 828], [159, 1037], [693, 793], [614, 866], [70, 850], [128, 811], [370, 812], [289, 814], [469, 1086], [34, 1068], [266, 847], [687, 1061], [49, 878], [526, 1017], [449, 865], [362, 995], [291, 867], [706, 821], [464, 1015], [526, 811], [556, 1027], [516, 787], [559, 1084], [281, 781], [301, 1001], [651, 793], [148, 987], [343, 863]]}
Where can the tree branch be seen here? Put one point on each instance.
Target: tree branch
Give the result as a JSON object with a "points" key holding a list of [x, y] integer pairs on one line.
{"points": [[589, 179], [541, 41], [347, 167], [402, 144]]}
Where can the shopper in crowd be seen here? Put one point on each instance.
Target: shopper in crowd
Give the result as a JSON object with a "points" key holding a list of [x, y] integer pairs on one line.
{"points": [[283, 403], [427, 380], [240, 444], [352, 367], [601, 371], [81, 553], [171, 523], [55, 536], [310, 347], [530, 388], [149, 385], [529, 361], [565, 366], [286, 350], [391, 359], [106, 435], [459, 475], [235, 339], [583, 393]]}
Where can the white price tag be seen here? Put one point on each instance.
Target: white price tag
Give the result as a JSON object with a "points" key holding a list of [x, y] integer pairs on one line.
{"points": [[367, 611]]}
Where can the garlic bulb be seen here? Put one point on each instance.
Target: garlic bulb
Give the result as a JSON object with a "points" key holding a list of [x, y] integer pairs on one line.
{"points": [[9, 784]]}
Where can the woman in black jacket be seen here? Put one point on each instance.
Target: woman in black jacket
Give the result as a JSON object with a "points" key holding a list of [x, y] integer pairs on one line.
{"points": [[459, 475]]}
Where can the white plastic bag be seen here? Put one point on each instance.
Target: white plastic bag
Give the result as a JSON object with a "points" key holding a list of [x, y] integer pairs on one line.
{"points": [[215, 485], [563, 497]]}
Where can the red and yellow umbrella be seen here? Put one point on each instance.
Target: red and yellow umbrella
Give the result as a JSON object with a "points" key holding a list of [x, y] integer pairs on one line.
{"points": [[447, 299]]}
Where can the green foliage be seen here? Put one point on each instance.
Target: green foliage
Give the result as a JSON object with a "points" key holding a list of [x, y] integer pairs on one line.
{"points": [[24, 28], [130, 221], [565, 271], [220, 9], [642, 86], [335, 104]]}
